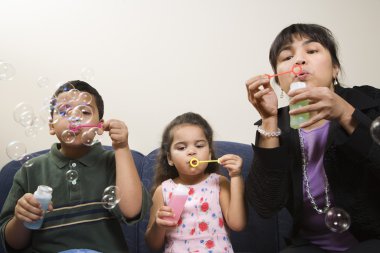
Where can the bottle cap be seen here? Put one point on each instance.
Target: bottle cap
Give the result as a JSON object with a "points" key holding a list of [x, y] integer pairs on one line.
{"points": [[181, 190], [297, 85], [44, 190]]}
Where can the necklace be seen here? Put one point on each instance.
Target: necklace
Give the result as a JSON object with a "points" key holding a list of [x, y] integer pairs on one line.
{"points": [[307, 181]]}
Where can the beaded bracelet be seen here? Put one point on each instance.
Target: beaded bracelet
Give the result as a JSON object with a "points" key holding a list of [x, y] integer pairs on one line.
{"points": [[269, 134]]}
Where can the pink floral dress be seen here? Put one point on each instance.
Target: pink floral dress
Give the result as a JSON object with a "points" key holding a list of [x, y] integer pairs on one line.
{"points": [[201, 225]]}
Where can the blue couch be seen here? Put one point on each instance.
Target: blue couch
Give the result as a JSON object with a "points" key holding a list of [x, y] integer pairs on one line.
{"points": [[260, 235]]}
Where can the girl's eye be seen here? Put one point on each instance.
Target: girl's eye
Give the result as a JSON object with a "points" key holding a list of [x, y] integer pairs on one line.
{"points": [[181, 148], [200, 146]]}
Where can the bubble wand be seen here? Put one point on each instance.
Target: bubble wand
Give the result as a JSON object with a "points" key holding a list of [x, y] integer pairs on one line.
{"points": [[194, 162], [296, 70], [76, 128]]}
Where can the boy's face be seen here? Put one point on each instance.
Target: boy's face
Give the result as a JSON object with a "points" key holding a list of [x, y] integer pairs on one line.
{"points": [[71, 113]]}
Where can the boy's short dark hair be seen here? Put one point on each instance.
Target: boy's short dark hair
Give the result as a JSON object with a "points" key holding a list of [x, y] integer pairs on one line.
{"points": [[81, 86]]}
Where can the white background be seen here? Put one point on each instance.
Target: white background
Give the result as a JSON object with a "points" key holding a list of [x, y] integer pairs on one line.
{"points": [[156, 59]]}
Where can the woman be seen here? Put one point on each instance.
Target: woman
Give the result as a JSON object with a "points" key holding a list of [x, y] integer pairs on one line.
{"points": [[331, 161]]}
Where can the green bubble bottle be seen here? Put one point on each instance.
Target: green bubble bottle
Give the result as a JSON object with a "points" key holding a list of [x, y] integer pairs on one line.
{"points": [[298, 119]]}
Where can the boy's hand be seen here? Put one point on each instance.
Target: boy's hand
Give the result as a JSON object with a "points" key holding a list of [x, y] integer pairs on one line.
{"points": [[118, 132], [29, 209], [232, 163], [165, 211]]}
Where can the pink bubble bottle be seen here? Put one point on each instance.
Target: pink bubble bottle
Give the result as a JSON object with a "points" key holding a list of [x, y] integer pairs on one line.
{"points": [[177, 202]]}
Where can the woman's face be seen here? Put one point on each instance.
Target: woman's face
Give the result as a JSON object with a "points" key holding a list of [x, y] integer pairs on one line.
{"points": [[315, 60]]}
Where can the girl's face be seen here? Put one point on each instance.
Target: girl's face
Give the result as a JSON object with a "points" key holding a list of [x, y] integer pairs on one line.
{"points": [[189, 141], [315, 60]]}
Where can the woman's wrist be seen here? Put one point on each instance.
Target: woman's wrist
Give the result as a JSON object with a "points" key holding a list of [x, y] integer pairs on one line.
{"points": [[269, 127], [270, 124], [269, 134]]}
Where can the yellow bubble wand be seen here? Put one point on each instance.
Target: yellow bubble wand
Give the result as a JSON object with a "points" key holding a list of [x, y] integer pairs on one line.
{"points": [[194, 162]]}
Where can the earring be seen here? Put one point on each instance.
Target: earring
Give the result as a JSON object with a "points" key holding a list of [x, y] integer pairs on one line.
{"points": [[335, 81], [282, 94]]}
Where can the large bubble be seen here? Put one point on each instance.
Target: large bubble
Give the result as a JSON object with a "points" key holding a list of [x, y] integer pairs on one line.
{"points": [[16, 150]]}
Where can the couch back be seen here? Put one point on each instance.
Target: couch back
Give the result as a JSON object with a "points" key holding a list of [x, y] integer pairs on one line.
{"points": [[260, 235]]}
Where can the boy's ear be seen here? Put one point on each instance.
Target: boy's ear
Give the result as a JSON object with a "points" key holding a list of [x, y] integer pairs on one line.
{"points": [[51, 129]]}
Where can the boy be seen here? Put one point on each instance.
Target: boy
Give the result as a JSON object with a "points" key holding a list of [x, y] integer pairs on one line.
{"points": [[78, 220]]}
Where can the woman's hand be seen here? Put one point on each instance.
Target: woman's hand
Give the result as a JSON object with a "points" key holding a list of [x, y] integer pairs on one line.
{"points": [[324, 103], [262, 96]]}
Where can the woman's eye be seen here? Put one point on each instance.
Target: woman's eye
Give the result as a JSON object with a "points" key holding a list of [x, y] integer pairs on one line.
{"points": [[313, 51], [286, 58]]}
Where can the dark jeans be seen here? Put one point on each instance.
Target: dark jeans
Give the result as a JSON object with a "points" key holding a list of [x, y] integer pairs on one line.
{"points": [[370, 246]]}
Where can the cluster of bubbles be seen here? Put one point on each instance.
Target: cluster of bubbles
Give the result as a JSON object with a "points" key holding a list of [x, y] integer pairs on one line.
{"points": [[111, 197], [52, 111], [73, 107]]}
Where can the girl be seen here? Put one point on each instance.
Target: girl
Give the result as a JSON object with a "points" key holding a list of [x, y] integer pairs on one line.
{"points": [[212, 200], [330, 162]]}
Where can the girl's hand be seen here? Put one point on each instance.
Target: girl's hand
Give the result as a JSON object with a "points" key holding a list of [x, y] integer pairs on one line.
{"points": [[161, 214], [232, 163], [323, 104], [118, 133], [262, 96]]}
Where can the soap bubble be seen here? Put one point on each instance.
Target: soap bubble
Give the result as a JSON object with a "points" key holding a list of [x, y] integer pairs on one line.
{"points": [[16, 150], [65, 86], [375, 130], [23, 114], [38, 124], [73, 95], [73, 115], [72, 176], [72, 173], [68, 136], [7, 71], [337, 220], [82, 113], [26, 160], [43, 82], [111, 197], [49, 114], [91, 136], [88, 74], [31, 131], [85, 98]]}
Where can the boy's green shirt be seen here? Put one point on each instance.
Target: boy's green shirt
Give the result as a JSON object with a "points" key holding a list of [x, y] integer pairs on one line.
{"points": [[78, 220]]}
